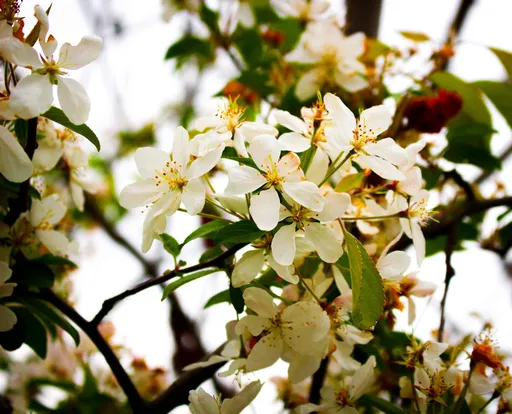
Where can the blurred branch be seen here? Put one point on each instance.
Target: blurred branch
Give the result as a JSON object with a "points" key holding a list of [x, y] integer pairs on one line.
{"points": [[462, 183], [363, 16], [488, 173], [450, 272], [91, 330], [318, 381], [109, 304]]}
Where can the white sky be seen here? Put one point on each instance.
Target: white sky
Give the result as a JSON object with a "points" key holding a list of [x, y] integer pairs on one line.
{"points": [[145, 83]]}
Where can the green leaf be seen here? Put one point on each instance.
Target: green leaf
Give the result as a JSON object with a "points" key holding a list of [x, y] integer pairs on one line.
{"points": [[415, 37], [21, 129], [349, 182], [209, 17], [220, 297], [249, 44], [469, 143], [170, 245], [50, 315], [367, 289], [258, 81], [237, 298], [500, 94], [385, 406], [57, 115], [374, 49], [190, 46], [171, 287], [473, 106], [33, 273], [52, 260], [505, 59], [243, 231], [206, 230], [292, 30], [229, 153], [35, 332], [211, 254]]}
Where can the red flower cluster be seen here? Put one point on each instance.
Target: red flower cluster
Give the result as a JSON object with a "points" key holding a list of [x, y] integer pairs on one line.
{"points": [[432, 113]]}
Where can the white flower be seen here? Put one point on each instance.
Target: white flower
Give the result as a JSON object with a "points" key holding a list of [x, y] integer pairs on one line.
{"points": [[15, 165], [301, 9], [7, 317], [321, 236], [411, 286], [44, 215], [347, 134], [281, 175], [169, 179], [301, 327], [203, 403], [395, 264], [413, 181], [33, 95], [333, 56]]}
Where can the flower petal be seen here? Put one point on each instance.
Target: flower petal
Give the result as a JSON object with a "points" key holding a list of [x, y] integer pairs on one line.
{"points": [[343, 119], [376, 120], [73, 99], [248, 267], [393, 264], [305, 193], [20, 53], [260, 302], [202, 403], [283, 245], [264, 209], [266, 352], [236, 404], [284, 272], [193, 196], [291, 122], [380, 167], [388, 149], [140, 193], [243, 180], [265, 151], [418, 240], [56, 242], [15, 165], [7, 319], [309, 84], [324, 240], [33, 95], [149, 160], [181, 147], [200, 166], [85, 52], [318, 167], [336, 204], [293, 141]]}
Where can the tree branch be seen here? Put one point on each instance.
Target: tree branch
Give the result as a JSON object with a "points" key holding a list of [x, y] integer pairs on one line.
{"points": [[318, 381], [363, 16], [91, 330], [488, 173], [109, 304], [450, 272]]}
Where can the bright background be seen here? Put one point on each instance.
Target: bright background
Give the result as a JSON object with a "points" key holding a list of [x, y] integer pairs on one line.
{"points": [[131, 85]]}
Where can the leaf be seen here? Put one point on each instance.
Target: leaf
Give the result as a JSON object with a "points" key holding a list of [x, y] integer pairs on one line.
{"points": [[367, 289], [170, 244], [229, 153], [473, 106], [415, 36], [206, 230], [220, 297], [258, 81], [249, 44], [470, 144], [211, 254], [171, 287], [21, 129], [243, 231], [349, 182], [57, 115], [237, 298], [190, 46], [505, 59], [35, 332], [209, 17], [374, 49], [50, 315], [33, 273], [385, 406], [500, 94], [292, 29], [52, 260]]}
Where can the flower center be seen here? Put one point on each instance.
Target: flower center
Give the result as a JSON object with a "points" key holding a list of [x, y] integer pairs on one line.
{"points": [[232, 114], [51, 68], [272, 176], [363, 135], [419, 211], [342, 397], [171, 175]]}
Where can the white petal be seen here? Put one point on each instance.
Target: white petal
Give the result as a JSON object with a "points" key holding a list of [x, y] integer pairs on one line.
{"points": [[140, 193], [73, 99], [193, 196], [302, 367], [351, 82], [248, 267], [150, 160], [236, 404], [291, 122], [33, 95], [292, 141], [264, 209], [151, 230], [341, 282], [309, 84], [206, 122], [336, 204], [380, 167], [181, 147], [322, 237], [85, 52], [376, 120], [77, 195], [15, 165], [412, 183], [304, 324], [54, 241], [388, 149], [418, 240], [265, 151], [254, 324], [200, 166], [214, 359], [318, 167], [167, 204], [343, 119], [305, 193], [46, 157], [393, 264], [20, 53], [7, 319], [260, 302], [243, 180], [363, 379], [284, 272], [5, 274], [288, 167], [354, 45], [283, 245], [266, 352], [202, 403]]}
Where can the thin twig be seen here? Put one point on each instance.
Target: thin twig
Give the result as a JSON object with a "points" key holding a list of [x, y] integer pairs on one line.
{"points": [[462, 183], [318, 381], [450, 272]]}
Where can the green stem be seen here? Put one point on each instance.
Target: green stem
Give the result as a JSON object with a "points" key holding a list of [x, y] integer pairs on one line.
{"points": [[210, 216], [308, 158], [224, 209], [462, 395], [370, 218], [333, 168], [414, 391], [307, 287], [493, 397]]}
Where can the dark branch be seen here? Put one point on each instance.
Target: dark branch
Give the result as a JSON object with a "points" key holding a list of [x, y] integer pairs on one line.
{"points": [[462, 183], [450, 272], [363, 16], [91, 330], [488, 173], [318, 381]]}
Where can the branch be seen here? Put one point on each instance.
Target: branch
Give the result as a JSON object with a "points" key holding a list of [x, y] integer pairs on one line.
{"points": [[109, 304], [450, 272], [91, 330], [318, 381], [363, 16], [488, 173], [177, 393], [462, 183]]}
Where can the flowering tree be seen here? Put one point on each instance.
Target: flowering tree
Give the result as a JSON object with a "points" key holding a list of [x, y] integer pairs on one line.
{"points": [[330, 177]]}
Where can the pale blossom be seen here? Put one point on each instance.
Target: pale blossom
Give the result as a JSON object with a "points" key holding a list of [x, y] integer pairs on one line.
{"points": [[168, 181], [274, 175], [382, 156], [333, 57], [33, 95], [15, 165], [7, 316], [306, 10]]}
